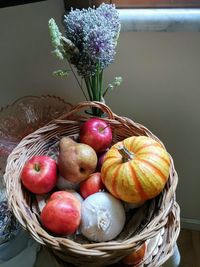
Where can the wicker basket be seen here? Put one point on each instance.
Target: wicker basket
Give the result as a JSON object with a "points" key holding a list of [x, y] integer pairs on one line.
{"points": [[159, 216]]}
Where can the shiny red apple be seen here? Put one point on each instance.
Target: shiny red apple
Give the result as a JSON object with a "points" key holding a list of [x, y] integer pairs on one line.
{"points": [[62, 213], [92, 185], [39, 174], [96, 133]]}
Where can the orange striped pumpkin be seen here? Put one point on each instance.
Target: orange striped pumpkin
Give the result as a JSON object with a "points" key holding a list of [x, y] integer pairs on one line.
{"points": [[136, 169]]}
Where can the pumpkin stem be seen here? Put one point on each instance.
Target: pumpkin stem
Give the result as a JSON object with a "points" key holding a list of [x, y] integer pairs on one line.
{"points": [[126, 154]]}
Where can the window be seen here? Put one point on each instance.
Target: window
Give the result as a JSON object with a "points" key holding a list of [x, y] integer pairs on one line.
{"points": [[156, 3], [133, 3], [7, 3]]}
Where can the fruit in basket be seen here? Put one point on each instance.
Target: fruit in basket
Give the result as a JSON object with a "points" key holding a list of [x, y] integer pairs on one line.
{"points": [[63, 184], [76, 161], [62, 213], [102, 217], [75, 193], [100, 157], [96, 133], [39, 174], [91, 185], [136, 256], [136, 169], [62, 194]]}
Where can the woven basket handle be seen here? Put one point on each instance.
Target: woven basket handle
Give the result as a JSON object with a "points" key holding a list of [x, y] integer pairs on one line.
{"points": [[88, 104]]}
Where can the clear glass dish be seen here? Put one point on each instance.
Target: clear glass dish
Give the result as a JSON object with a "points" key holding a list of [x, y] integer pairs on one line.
{"points": [[24, 116]]}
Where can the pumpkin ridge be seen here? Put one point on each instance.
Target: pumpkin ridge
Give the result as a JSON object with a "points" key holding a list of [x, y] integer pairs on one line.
{"points": [[147, 145], [130, 143], [161, 174], [139, 142], [137, 183], [163, 158], [151, 183], [114, 183], [104, 171]]}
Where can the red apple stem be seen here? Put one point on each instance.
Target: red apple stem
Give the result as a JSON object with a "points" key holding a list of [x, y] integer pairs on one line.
{"points": [[37, 167], [102, 129]]}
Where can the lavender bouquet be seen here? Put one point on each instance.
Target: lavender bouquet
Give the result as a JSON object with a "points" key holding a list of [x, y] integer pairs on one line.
{"points": [[89, 47]]}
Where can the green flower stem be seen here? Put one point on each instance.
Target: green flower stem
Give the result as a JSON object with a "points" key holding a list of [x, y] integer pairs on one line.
{"points": [[105, 91], [101, 85], [78, 81], [94, 85], [98, 82], [95, 93], [94, 88], [87, 83], [90, 90]]}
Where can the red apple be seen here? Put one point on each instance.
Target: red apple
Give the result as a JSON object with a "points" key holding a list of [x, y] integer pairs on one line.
{"points": [[39, 174], [92, 185], [62, 194], [62, 213], [96, 133]]}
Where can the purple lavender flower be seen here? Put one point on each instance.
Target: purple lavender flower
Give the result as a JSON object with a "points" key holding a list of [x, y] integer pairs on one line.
{"points": [[112, 17], [94, 32], [100, 47]]}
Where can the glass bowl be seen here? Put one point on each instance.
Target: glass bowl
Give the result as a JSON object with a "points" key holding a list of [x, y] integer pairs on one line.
{"points": [[24, 116]]}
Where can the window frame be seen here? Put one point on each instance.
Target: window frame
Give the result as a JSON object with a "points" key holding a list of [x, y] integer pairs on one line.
{"points": [[10, 3], [134, 3]]}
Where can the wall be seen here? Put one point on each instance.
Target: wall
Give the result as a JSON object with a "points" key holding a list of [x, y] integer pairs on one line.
{"points": [[160, 88]]}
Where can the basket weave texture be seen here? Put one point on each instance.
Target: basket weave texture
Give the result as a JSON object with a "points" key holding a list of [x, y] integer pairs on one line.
{"points": [[159, 216]]}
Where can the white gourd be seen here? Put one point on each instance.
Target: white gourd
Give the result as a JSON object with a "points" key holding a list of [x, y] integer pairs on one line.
{"points": [[102, 217]]}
